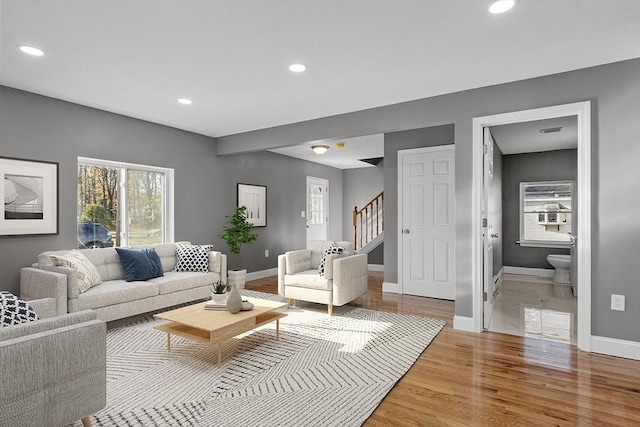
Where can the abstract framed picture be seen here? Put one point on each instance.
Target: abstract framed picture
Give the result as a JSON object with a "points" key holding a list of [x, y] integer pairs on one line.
{"points": [[30, 193], [254, 197]]}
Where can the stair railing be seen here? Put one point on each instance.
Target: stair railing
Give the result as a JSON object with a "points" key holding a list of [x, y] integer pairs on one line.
{"points": [[368, 222]]}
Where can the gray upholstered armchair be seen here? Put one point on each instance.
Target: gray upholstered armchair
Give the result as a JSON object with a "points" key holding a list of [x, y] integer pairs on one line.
{"points": [[344, 279], [53, 369]]}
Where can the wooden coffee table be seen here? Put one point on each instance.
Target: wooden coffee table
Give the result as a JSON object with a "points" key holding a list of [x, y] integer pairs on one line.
{"points": [[215, 327]]}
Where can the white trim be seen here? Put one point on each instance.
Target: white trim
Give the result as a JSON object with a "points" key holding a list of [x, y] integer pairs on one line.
{"points": [[583, 271], [401, 154], [393, 288], [616, 347], [375, 267], [526, 271], [463, 323], [254, 275]]}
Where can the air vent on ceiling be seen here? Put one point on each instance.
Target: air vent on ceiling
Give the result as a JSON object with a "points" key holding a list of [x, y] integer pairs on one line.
{"points": [[551, 130]]}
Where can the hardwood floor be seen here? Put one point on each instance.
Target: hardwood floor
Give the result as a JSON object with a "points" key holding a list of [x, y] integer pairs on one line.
{"points": [[489, 379]]}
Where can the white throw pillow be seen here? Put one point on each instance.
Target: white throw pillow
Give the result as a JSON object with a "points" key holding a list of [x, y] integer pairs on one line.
{"points": [[193, 257], [86, 272]]}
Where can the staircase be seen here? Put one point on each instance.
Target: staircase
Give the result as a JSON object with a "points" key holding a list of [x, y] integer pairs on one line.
{"points": [[368, 224]]}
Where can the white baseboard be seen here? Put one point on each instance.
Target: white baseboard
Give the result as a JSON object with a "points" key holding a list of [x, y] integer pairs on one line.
{"points": [[375, 267], [615, 347], [541, 272], [394, 288], [463, 323], [262, 274]]}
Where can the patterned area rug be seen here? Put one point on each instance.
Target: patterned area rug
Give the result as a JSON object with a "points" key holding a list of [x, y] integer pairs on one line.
{"points": [[323, 371]]}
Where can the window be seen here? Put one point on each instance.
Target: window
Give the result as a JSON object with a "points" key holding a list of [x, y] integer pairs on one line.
{"points": [[546, 210], [123, 204]]}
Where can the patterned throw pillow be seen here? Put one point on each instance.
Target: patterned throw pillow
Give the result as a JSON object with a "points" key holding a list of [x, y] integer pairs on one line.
{"points": [[333, 249], [193, 258], [86, 272], [14, 311]]}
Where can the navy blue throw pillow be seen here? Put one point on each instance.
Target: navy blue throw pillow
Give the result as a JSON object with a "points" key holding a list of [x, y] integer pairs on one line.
{"points": [[139, 264]]}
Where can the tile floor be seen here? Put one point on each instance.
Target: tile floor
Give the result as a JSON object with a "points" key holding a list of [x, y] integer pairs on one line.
{"points": [[533, 306]]}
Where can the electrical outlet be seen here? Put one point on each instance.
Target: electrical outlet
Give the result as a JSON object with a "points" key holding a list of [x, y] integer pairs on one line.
{"points": [[617, 302], [266, 253], [302, 213]]}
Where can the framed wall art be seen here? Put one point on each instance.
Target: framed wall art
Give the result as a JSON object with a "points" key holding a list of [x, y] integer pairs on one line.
{"points": [[30, 193], [254, 197]]}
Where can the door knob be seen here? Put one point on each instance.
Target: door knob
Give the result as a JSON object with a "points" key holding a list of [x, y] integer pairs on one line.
{"points": [[494, 235], [406, 231]]}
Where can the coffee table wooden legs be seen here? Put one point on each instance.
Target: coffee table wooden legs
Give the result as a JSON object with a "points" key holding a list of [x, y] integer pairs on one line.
{"points": [[168, 341], [219, 354]]}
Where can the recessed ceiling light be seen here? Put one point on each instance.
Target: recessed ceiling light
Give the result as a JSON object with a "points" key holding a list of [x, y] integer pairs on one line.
{"points": [[501, 6], [185, 101], [30, 50], [297, 68]]}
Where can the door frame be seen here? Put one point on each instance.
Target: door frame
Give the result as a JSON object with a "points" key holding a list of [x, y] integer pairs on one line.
{"points": [[583, 241], [399, 289]]}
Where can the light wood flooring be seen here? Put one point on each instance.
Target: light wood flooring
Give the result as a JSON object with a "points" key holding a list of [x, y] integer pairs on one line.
{"points": [[490, 379]]}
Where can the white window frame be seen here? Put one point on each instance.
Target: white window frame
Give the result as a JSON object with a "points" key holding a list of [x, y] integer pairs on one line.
{"points": [[168, 195]]}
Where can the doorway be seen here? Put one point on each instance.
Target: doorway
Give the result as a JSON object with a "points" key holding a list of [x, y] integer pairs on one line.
{"points": [[582, 111], [317, 208], [426, 195]]}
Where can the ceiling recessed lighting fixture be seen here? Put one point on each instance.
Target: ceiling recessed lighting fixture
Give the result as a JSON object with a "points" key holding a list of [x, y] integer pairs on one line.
{"points": [[30, 50], [297, 68], [185, 101], [339, 144], [319, 149], [501, 6]]}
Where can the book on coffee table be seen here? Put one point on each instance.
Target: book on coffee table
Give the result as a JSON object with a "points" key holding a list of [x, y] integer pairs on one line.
{"points": [[210, 305]]}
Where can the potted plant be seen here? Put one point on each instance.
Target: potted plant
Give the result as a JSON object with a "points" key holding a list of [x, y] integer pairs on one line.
{"points": [[219, 292], [237, 232]]}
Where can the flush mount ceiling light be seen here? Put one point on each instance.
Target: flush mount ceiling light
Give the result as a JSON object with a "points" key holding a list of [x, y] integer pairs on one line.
{"points": [[319, 149], [30, 50], [297, 68], [501, 6], [185, 101]]}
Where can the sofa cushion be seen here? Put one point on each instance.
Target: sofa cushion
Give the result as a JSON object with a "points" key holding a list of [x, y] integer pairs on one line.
{"points": [[139, 264], [106, 261], [297, 261], [192, 258], [113, 292], [308, 279], [14, 311], [173, 281], [86, 273]]}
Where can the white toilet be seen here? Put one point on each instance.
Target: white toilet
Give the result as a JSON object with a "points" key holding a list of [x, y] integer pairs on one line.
{"points": [[562, 264]]}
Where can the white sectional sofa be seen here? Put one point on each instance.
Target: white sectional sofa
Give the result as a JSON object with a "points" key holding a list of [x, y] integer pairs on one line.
{"points": [[116, 298]]}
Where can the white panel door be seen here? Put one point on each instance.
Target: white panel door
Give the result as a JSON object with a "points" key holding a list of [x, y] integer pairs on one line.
{"points": [[428, 222], [317, 208], [487, 229]]}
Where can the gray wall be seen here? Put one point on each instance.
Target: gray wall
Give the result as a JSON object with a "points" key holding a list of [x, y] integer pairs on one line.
{"points": [[41, 128], [613, 89], [529, 167]]}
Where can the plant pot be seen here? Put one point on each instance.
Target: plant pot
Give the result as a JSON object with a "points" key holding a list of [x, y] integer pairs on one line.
{"points": [[237, 277], [219, 298]]}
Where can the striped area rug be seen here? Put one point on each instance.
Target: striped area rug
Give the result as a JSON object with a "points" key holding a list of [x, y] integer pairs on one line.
{"points": [[323, 371]]}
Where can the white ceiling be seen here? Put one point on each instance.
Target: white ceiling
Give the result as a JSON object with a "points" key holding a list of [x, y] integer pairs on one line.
{"points": [[526, 137], [230, 57], [347, 157]]}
